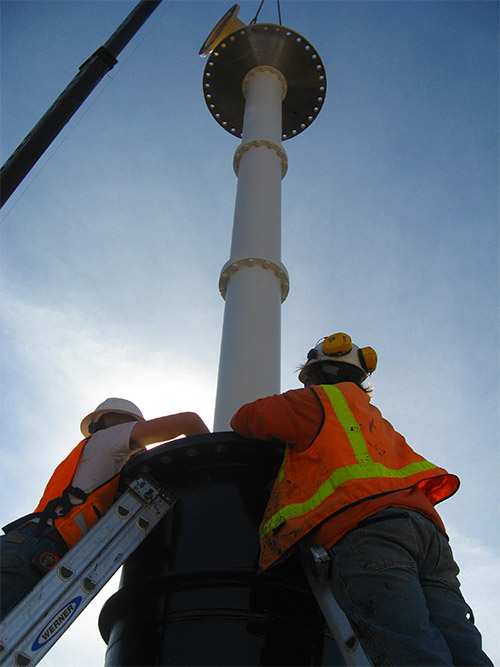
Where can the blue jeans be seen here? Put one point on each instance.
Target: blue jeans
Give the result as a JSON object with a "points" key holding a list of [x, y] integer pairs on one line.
{"points": [[395, 578], [25, 557]]}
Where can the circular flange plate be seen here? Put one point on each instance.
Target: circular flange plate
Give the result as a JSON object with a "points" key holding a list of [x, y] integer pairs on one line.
{"points": [[264, 44]]}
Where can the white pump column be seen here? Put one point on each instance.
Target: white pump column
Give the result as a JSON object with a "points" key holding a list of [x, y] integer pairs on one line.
{"points": [[253, 282]]}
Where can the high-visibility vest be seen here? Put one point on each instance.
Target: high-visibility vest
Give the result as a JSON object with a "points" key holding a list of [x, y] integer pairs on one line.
{"points": [[77, 519], [356, 455]]}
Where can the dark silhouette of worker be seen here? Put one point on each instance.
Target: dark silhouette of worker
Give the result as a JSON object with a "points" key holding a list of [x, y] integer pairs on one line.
{"points": [[80, 491], [349, 482]]}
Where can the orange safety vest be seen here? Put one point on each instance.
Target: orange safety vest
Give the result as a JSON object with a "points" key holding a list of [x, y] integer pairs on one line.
{"points": [[356, 455], [76, 520]]}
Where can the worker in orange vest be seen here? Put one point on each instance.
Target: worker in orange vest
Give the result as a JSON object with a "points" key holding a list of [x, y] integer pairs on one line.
{"points": [[350, 483], [80, 491]]}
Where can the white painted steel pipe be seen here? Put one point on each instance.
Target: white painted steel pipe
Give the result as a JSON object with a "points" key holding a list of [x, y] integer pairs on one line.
{"points": [[255, 282]]}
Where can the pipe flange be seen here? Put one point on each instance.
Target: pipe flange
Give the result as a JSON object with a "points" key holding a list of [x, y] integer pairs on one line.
{"points": [[269, 70], [232, 266], [259, 143], [265, 45]]}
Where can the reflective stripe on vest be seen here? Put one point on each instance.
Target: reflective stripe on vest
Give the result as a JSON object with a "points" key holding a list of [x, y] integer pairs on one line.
{"points": [[366, 468], [81, 523]]}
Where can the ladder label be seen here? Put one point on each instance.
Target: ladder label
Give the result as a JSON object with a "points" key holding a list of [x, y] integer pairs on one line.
{"points": [[57, 623]]}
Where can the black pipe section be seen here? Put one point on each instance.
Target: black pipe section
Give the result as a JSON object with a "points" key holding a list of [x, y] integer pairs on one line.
{"points": [[191, 594], [55, 118]]}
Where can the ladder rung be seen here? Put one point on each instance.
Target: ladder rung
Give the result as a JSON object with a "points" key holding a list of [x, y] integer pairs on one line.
{"points": [[59, 598]]}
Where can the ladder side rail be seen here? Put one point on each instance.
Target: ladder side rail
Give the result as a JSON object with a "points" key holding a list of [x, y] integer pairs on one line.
{"points": [[315, 562], [91, 563], [113, 555], [50, 587], [45, 634]]}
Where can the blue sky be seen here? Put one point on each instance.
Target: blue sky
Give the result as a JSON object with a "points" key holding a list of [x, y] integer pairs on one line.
{"points": [[113, 245]]}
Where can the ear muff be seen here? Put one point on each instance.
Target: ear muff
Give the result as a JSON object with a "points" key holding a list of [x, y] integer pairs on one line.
{"points": [[368, 358], [312, 354], [337, 345]]}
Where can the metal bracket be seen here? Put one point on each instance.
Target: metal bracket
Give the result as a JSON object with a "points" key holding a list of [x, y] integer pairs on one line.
{"points": [[152, 494], [320, 562], [102, 52], [316, 564]]}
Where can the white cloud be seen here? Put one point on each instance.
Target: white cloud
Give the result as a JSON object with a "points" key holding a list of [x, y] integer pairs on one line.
{"points": [[67, 366]]}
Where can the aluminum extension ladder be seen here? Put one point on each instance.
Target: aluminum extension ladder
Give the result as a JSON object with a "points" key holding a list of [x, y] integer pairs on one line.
{"points": [[316, 563], [30, 630]]}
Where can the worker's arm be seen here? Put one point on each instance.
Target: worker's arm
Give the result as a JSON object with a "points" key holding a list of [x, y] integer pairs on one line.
{"points": [[294, 417], [166, 428]]}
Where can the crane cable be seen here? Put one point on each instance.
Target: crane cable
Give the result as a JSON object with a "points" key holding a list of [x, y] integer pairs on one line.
{"points": [[254, 20]]}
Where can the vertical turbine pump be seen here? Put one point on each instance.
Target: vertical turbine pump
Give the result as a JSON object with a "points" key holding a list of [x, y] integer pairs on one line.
{"points": [[190, 594], [263, 83]]}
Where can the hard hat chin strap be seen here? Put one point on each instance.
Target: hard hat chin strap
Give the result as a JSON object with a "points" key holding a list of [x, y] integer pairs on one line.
{"points": [[109, 419]]}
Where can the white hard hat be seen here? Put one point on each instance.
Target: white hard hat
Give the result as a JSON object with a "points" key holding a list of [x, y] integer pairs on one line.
{"points": [[119, 405], [340, 349]]}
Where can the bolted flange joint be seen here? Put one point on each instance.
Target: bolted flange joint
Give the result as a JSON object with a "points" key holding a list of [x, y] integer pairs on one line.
{"points": [[232, 266], [262, 69], [260, 143]]}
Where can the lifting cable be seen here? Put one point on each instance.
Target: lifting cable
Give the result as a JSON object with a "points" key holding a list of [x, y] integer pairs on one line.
{"points": [[254, 20]]}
